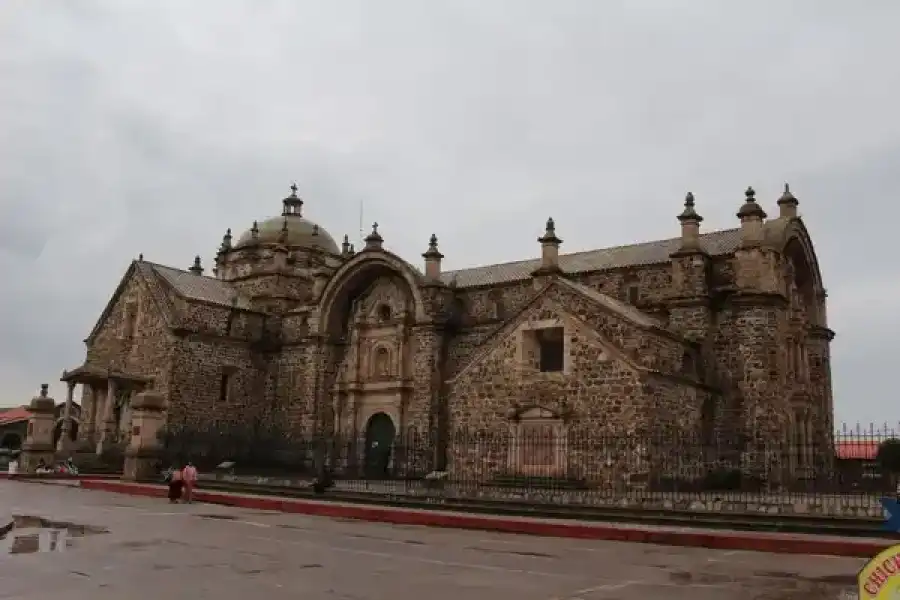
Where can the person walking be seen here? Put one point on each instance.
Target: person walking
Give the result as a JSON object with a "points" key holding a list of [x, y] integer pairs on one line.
{"points": [[189, 474], [176, 484]]}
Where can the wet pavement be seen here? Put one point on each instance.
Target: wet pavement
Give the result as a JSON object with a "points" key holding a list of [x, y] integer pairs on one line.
{"points": [[27, 534], [157, 550]]}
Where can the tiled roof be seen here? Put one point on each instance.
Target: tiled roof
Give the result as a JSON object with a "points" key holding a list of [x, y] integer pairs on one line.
{"points": [[715, 243], [14, 415], [199, 287]]}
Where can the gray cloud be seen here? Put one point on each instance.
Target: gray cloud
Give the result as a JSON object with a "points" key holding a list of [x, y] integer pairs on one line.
{"points": [[129, 127]]}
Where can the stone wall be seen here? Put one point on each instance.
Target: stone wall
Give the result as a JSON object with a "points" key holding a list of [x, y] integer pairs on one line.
{"points": [[217, 320], [598, 395], [198, 364], [296, 387], [652, 283]]}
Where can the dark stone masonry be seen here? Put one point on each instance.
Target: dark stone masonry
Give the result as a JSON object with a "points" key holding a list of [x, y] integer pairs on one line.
{"points": [[702, 337]]}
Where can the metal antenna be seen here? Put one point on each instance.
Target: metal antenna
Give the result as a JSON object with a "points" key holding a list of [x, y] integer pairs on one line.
{"points": [[360, 223]]}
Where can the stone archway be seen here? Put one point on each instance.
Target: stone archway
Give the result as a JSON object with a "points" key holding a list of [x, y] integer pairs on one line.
{"points": [[380, 434], [364, 321]]}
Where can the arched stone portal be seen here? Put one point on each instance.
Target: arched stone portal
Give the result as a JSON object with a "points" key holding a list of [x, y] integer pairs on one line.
{"points": [[365, 318], [806, 353], [380, 434]]}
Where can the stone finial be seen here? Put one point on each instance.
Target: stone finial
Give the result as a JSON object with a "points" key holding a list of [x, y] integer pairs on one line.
{"points": [[549, 236], [433, 248], [226, 241], [352, 250], [315, 230], [196, 268], [690, 225], [751, 215], [293, 204], [254, 231], [345, 246], [689, 213], [141, 257], [374, 240], [549, 249], [751, 208], [433, 258], [45, 387], [787, 204]]}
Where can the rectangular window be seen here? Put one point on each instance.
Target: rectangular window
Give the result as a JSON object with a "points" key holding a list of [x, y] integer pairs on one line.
{"points": [[224, 387], [551, 349], [634, 294]]}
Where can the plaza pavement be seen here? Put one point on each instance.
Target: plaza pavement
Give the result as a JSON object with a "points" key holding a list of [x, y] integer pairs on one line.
{"points": [[158, 551]]}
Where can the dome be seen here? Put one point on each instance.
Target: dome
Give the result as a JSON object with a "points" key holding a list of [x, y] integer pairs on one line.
{"points": [[300, 232]]}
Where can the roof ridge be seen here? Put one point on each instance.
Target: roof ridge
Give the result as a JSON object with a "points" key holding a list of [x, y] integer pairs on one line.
{"points": [[184, 271], [590, 251]]}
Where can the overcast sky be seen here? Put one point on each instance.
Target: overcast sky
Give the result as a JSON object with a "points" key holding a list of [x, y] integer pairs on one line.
{"points": [[151, 126]]}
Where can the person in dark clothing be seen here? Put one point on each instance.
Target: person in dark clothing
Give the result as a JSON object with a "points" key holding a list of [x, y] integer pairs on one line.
{"points": [[176, 485]]}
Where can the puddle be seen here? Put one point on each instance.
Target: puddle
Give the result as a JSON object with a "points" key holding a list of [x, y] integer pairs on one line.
{"points": [[29, 535]]}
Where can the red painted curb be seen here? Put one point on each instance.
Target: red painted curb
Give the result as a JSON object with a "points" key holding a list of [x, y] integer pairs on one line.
{"points": [[718, 540], [33, 476]]}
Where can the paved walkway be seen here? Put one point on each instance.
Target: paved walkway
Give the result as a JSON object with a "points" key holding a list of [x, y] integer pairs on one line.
{"points": [[156, 550], [676, 536]]}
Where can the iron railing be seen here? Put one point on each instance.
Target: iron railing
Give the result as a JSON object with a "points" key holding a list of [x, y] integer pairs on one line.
{"points": [[547, 466]]}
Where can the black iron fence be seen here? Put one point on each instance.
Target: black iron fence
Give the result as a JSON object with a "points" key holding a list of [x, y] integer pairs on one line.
{"points": [[546, 461]]}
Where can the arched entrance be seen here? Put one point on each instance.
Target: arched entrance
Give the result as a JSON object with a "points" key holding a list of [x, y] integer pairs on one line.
{"points": [[380, 433]]}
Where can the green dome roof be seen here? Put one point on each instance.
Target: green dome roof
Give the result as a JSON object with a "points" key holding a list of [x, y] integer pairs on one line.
{"points": [[300, 232]]}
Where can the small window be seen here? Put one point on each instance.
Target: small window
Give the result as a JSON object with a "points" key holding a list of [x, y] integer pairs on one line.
{"points": [[384, 312], [130, 322], [634, 294], [551, 349], [224, 387], [688, 365]]}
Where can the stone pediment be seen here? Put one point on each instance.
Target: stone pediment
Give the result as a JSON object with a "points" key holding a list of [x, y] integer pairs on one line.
{"points": [[541, 312], [142, 274]]}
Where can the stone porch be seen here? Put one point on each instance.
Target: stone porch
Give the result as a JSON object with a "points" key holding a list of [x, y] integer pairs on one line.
{"points": [[106, 405]]}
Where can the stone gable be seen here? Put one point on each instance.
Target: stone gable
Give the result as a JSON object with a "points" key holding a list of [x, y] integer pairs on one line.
{"points": [[133, 335]]}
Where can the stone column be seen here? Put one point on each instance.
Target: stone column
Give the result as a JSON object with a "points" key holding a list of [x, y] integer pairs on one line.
{"points": [[144, 449], [39, 439], [65, 436], [107, 424]]}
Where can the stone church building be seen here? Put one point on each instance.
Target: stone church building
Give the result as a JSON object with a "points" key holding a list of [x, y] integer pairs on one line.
{"points": [[707, 335]]}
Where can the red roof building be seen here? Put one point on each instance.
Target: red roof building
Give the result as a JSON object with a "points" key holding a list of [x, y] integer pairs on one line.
{"points": [[857, 449]]}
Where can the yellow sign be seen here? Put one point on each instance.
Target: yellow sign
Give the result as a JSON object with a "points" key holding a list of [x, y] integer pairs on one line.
{"points": [[880, 578]]}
